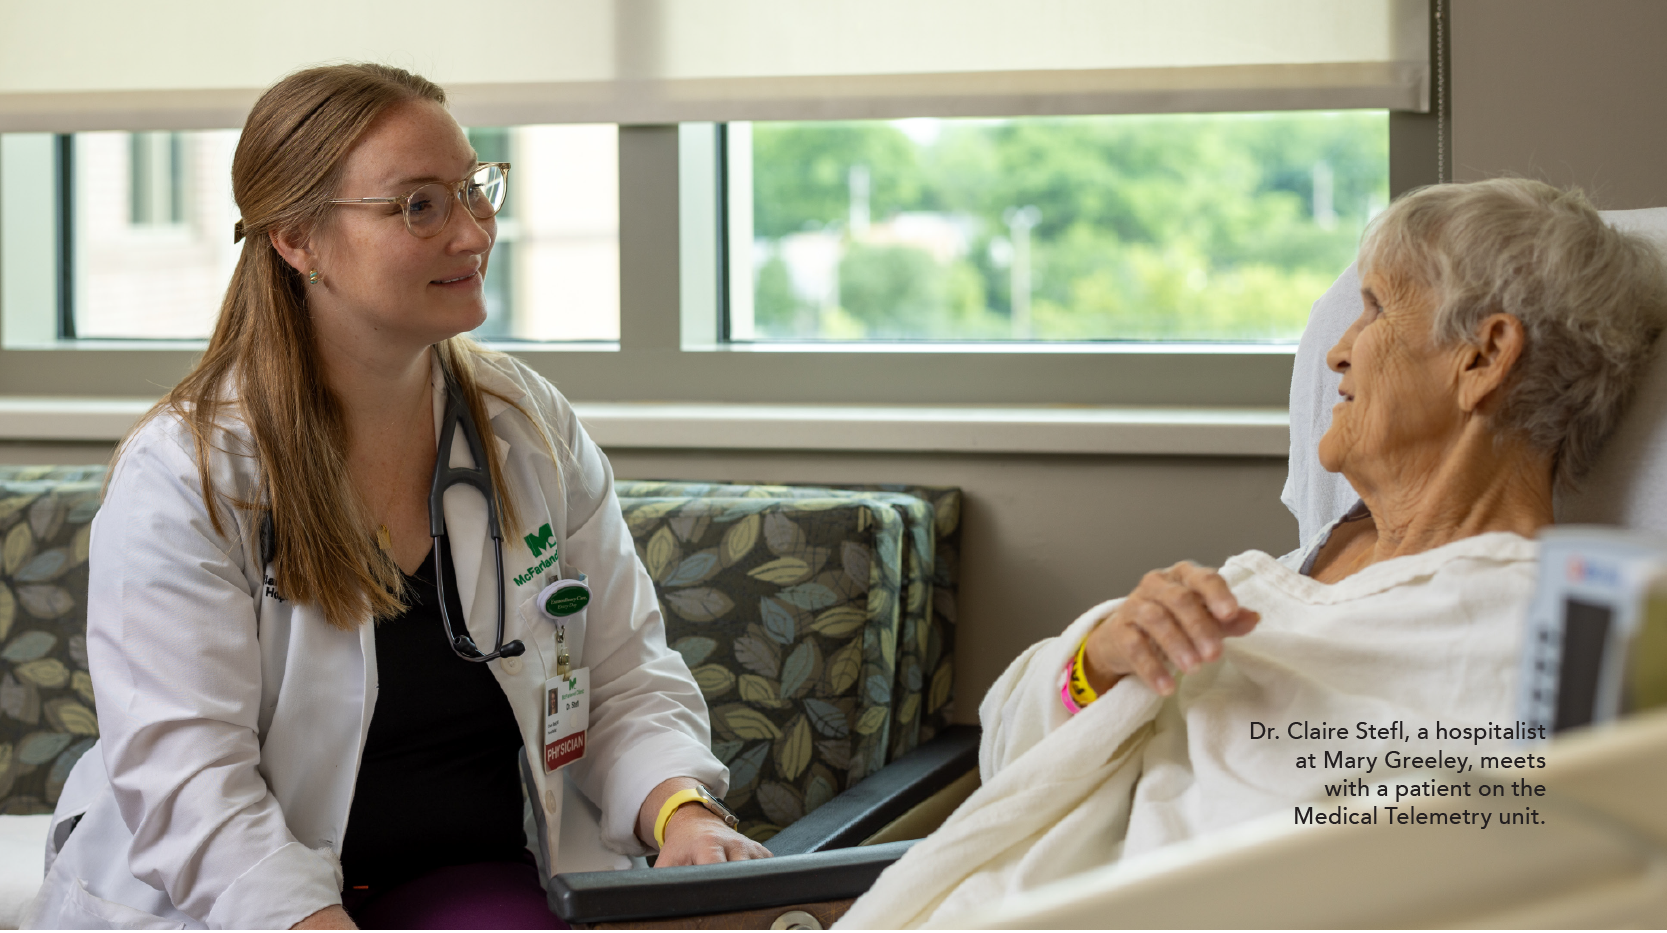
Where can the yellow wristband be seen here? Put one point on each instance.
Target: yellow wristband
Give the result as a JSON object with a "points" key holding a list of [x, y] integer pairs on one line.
{"points": [[1081, 692], [667, 809]]}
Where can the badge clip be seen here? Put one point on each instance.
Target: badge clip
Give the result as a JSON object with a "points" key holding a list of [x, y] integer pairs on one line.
{"points": [[559, 600], [564, 598]]}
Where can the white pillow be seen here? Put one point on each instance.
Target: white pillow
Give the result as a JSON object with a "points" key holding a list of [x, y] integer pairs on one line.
{"points": [[1318, 498], [1627, 486]]}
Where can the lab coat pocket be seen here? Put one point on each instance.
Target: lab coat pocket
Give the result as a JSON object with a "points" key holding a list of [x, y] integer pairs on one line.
{"points": [[541, 632], [84, 910]]}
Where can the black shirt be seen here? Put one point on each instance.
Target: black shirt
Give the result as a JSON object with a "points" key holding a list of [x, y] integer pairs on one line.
{"points": [[440, 781]]}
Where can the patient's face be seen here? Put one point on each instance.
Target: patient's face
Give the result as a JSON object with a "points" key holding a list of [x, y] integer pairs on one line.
{"points": [[1399, 410]]}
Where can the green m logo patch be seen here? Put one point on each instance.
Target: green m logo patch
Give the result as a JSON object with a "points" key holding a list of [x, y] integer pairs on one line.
{"points": [[540, 539]]}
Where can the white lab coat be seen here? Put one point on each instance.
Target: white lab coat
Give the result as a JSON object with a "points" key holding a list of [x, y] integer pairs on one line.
{"points": [[233, 720]]}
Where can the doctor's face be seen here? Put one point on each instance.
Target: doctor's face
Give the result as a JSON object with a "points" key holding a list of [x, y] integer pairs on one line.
{"points": [[378, 280], [1399, 408]]}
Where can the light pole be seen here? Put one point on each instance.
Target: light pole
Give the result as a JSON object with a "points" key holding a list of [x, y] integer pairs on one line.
{"points": [[1019, 221], [858, 183]]}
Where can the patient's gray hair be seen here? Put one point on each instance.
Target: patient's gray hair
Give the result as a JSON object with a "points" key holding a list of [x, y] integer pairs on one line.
{"points": [[1591, 299]]}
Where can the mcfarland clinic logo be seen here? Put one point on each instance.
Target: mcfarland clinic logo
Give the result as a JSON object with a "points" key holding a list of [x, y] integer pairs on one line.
{"points": [[544, 539]]}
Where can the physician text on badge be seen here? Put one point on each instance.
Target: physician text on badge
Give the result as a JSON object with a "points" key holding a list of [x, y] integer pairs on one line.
{"points": [[568, 749]]}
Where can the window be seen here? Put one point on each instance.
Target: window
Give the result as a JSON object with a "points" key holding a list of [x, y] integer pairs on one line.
{"points": [[584, 260], [151, 227], [152, 252], [554, 274], [1213, 227], [714, 292]]}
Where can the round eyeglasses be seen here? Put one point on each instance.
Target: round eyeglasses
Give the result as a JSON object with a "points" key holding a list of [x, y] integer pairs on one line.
{"points": [[428, 208]]}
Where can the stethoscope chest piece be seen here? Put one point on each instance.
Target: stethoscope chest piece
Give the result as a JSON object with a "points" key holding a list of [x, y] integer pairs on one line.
{"points": [[564, 598]]}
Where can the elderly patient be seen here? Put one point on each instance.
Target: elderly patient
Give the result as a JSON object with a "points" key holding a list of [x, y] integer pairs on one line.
{"points": [[1503, 328]]}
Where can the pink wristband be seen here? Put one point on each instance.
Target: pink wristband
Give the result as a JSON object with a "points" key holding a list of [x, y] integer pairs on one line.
{"points": [[1065, 691]]}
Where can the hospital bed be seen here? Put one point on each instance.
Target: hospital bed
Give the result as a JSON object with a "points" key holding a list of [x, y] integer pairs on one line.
{"points": [[1600, 860]]}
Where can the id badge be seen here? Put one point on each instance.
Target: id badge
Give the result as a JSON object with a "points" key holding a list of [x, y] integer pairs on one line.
{"points": [[566, 717]]}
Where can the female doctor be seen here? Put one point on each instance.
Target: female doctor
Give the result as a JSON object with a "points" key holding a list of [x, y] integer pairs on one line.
{"points": [[290, 736]]}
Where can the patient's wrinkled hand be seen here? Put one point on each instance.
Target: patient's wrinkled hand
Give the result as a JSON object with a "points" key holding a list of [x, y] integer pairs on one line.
{"points": [[1176, 617]]}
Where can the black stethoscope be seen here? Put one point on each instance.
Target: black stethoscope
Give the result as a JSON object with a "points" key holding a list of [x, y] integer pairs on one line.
{"points": [[559, 599], [445, 476]]}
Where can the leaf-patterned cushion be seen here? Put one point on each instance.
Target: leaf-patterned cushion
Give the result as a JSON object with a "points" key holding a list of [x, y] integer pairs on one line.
{"points": [[786, 610], [922, 692], [943, 525], [817, 528], [47, 717]]}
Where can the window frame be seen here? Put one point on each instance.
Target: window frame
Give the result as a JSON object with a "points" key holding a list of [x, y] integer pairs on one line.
{"points": [[672, 301]]}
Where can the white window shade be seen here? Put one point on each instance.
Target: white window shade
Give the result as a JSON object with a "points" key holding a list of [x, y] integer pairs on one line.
{"points": [[179, 64]]}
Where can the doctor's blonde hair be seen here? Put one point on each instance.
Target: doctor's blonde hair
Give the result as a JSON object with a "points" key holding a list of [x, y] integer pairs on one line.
{"points": [[262, 365]]}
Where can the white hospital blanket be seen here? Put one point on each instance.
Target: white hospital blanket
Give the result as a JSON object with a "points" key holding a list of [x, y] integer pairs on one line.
{"points": [[1428, 637]]}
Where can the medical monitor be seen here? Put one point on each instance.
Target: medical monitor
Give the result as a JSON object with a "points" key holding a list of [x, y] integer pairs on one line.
{"points": [[1595, 645]]}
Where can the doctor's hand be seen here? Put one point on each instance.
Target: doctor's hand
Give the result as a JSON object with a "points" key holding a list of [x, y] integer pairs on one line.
{"points": [[694, 835], [1176, 618], [327, 918], [697, 837]]}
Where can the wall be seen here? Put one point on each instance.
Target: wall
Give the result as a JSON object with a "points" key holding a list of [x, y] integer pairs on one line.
{"points": [[25, 453], [1567, 92]]}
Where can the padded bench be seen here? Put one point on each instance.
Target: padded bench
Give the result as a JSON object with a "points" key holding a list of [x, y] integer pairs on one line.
{"points": [[818, 621]]}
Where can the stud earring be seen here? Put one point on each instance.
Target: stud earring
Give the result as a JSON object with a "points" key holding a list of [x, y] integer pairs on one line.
{"points": [[312, 277]]}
